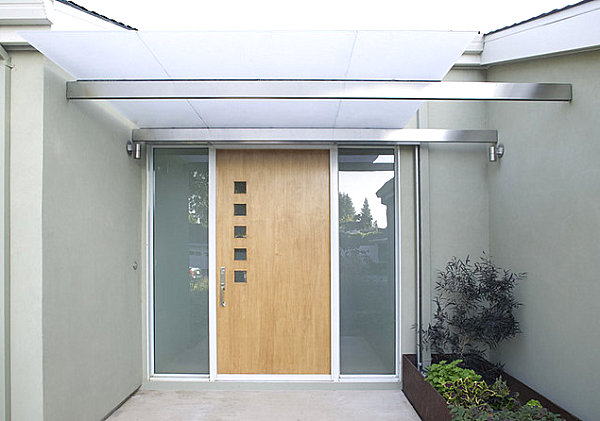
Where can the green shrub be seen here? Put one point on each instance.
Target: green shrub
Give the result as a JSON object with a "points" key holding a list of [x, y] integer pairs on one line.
{"points": [[473, 308], [468, 393], [502, 398], [471, 399], [533, 403], [442, 373], [524, 413]]}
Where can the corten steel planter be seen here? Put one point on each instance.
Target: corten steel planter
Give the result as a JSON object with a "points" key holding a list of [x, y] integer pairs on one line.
{"points": [[428, 403], [431, 406], [526, 393]]}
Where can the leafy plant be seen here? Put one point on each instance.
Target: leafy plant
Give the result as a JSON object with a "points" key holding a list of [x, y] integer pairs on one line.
{"points": [[533, 403], [502, 398], [443, 373], [523, 413], [474, 308], [469, 393]]}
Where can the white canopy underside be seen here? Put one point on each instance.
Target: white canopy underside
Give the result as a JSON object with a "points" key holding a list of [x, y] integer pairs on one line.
{"points": [[357, 55]]}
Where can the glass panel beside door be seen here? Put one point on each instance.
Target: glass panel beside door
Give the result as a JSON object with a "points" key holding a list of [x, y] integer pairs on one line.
{"points": [[181, 261], [367, 264]]}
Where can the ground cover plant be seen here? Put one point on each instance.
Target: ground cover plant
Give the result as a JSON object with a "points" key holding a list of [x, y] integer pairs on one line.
{"points": [[525, 412], [443, 373], [470, 398]]}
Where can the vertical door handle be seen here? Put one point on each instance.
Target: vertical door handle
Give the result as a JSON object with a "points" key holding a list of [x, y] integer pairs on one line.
{"points": [[223, 287]]}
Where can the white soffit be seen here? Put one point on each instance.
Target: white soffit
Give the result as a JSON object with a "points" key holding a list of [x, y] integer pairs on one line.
{"points": [[573, 29], [368, 55]]}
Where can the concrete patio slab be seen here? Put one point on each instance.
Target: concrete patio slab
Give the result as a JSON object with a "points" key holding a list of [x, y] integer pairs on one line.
{"points": [[297, 405]]}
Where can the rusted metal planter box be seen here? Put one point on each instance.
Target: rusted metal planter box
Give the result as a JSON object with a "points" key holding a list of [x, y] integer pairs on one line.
{"points": [[431, 406], [428, 403]]}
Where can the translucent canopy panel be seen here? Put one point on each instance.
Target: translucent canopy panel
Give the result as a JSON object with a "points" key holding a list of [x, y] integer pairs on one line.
{"points": [[267, 113], [359, 55]]}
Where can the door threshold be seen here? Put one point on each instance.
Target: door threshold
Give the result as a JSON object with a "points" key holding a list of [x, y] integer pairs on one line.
{"points": [[274, 377], [205, 385]]}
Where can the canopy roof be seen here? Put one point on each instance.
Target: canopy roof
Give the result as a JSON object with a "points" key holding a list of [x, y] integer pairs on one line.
{"points": [[298, 55]]}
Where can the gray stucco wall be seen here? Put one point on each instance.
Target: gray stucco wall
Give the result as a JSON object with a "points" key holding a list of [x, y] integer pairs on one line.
{"points": [[91, 237], [454, 201], [4, 237], [458, 191], [545, 220], [454, 190], [26, 237], [75, 232], [407, 246]]}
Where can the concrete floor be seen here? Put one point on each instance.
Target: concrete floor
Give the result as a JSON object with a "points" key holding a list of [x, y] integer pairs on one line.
{"points": [[280, 405]]}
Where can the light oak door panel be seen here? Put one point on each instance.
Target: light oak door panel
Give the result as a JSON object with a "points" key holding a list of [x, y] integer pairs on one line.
{"points": [[278, 321]]}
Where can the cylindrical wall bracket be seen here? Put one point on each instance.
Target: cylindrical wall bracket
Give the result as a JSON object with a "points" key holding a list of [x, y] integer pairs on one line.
{"points": [[496, 152], [134, 149]]}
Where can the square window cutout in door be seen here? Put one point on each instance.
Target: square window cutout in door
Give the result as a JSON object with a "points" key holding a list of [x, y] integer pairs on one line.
{"points": [[239, 231], [239, 187], [240, 277], [239, 254], [239, 209]]}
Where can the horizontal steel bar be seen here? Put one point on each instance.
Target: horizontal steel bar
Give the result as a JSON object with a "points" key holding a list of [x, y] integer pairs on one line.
{"points": [[314, 136], [317, 90]]}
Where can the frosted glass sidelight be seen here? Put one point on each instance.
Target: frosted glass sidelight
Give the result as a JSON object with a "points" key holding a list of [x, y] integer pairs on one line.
{"points": [[367, 280], [181, 261]]}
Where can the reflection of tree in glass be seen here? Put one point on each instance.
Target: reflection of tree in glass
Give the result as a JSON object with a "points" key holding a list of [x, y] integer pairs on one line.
{"points": [[198, 197], [365, 219], [347, 212], [198, 222], [367, 289], [350, 221]]}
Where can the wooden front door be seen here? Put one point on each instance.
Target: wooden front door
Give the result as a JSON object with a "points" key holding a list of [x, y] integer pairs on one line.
{"points": [[273, 256]]}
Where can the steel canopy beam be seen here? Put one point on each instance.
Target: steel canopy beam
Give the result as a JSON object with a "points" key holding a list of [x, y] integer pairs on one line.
{"points": [[313, 136], [316, 90]]}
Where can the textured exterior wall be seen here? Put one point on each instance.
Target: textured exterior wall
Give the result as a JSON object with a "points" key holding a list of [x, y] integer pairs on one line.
{"points": [[545, 220], [75, 231], [91, 237], [455, 202], [4, 237], [75, 318], [26, 236], [458, 191], [407, 246]]}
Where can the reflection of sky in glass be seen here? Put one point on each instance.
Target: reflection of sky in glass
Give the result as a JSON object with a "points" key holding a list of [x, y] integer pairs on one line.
{"points": [[361, 184], [384, 159]]}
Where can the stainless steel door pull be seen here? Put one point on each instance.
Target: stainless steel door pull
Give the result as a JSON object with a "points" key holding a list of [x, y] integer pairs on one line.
{"points": [[223, 287]]}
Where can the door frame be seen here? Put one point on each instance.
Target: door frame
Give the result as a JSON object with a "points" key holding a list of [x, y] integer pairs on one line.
{"points": [[335, 375]]}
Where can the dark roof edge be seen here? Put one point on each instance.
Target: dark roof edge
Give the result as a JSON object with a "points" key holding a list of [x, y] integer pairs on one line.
{"points": [[96, 15], [543, 15]]}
